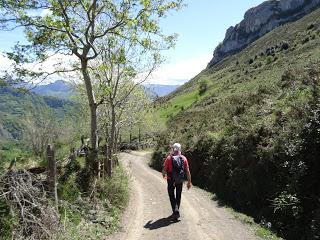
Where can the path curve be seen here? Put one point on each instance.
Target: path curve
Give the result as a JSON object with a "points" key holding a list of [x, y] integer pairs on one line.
{"points": [[149, 207]]}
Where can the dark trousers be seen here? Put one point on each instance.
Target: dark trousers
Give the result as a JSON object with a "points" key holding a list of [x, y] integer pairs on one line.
{"points": [[175, 199]]}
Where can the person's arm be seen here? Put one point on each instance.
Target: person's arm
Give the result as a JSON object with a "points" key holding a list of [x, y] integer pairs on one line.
{"points": [[189, 184], [164, 169], [164, 173]]}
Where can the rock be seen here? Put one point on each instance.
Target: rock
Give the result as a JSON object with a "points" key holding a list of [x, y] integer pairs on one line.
{"points": [[259, 21]]}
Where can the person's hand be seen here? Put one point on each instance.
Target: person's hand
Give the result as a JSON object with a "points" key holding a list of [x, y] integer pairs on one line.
{"points": [[189, 185]]}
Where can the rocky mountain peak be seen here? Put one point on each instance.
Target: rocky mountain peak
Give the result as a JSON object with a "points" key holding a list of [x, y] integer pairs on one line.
{"points": [[259, 21]]}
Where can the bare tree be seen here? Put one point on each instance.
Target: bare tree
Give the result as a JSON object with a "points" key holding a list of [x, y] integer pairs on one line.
{"points": [[39, 130]]}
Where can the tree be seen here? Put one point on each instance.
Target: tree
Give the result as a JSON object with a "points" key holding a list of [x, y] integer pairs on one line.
{"points": [[75, 28], [120, 69]]}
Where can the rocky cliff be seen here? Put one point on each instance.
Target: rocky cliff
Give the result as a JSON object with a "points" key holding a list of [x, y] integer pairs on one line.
{"points": [[259, 21]]}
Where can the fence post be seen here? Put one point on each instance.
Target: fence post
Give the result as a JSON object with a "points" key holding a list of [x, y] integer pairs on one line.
{"points": [[52, 173]]}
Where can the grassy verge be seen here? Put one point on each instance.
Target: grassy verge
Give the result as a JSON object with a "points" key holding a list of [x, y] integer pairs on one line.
{"points": [[98, 217], [262, 230]]}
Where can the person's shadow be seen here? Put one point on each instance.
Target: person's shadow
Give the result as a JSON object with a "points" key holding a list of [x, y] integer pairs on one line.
{"points": [[160, 223]]}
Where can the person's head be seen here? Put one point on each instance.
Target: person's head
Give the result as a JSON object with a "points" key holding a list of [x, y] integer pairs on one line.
{"points": [[176, 148]]}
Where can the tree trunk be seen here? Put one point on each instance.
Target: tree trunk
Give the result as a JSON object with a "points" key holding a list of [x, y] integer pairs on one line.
{"points": [[139, 134], [52, 173], [93, 116], [116, 140], [111, 142]]}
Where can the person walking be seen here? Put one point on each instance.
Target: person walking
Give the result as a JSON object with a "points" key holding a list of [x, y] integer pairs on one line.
{"points": [[174, 168]]}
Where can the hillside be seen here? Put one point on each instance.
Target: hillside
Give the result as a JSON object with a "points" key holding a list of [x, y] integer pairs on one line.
{"points": [[15, 105], [250, 133]]}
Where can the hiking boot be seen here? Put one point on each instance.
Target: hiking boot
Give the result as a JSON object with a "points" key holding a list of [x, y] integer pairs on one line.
{"points": [[176, 215], [172, 217]]}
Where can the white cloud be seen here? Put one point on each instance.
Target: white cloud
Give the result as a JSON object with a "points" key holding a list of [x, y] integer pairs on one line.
{"points": [[181, 71], [45, 12], [52, 64], [5, 63], [168, 74]]}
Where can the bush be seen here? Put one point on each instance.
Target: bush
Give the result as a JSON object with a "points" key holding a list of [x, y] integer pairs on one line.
{"points": [[203, 86], [288, 79], [269, 60], [284, 46], [115, 189], [310, 26], [69, 189], [305, 40], [7, 222]]}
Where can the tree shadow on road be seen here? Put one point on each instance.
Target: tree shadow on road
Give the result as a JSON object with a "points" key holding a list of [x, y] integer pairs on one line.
{"points": [[160, 223]]}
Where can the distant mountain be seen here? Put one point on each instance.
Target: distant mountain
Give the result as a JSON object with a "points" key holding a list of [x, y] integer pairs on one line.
{"points": [[159, 90], [59, 89]]}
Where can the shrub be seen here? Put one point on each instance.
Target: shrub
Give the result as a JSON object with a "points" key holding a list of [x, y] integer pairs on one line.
{"points": [[203, 86], [69, 189], [115, 189], [287, 79], [7, 222], [310, 26], [284, 46], [305, 40], [269, 51], [269, 60]]}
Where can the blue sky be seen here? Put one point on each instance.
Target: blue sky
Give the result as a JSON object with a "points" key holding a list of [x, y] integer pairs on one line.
{"points": [[200, 26]]}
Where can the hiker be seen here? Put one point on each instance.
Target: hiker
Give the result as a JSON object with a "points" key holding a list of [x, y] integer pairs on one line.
{"points": [[174, 167]]}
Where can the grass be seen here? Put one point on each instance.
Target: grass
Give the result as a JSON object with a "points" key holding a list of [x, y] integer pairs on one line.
{"points": [[228, 80], [178, 104], [261, 230], [97, 217]]}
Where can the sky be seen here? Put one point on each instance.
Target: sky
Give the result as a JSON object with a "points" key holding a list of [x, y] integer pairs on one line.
{"points": [[201, 25]]}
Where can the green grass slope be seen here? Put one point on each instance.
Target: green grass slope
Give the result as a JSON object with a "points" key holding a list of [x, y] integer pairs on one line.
{"points": [[252, 136]]}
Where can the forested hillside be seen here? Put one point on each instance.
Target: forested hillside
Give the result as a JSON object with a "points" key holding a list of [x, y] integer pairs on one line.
{"points": [[250, 128], [15, 105]]}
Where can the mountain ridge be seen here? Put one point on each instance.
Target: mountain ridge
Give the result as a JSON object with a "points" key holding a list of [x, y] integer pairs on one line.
{"points": [[258, 21]]}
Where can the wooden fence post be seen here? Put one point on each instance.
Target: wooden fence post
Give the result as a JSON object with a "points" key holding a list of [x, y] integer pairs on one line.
{"points": [[52, 173]]}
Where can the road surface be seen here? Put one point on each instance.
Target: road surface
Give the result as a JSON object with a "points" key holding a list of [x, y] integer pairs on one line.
{"points": [[146, 217]]}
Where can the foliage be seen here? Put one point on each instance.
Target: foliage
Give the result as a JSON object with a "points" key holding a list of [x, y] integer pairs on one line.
{"points": [[203, 87], [7, 221], [115, 189]]}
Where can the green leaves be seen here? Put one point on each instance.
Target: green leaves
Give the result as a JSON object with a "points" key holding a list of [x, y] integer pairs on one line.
{"points": [[146, 3]]}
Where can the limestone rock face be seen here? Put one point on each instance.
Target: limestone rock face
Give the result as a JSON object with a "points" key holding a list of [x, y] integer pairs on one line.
{"points": [[259, 21]]}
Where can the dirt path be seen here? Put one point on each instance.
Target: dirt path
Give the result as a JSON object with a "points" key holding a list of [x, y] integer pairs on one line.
{"points": [[149, 207]]}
